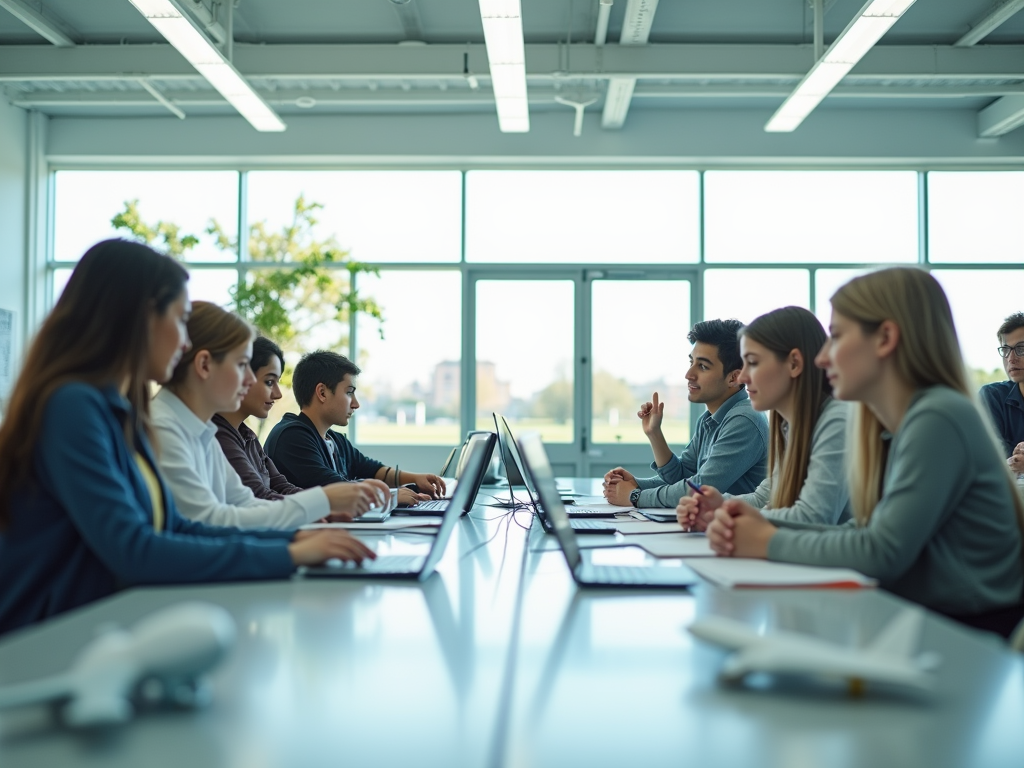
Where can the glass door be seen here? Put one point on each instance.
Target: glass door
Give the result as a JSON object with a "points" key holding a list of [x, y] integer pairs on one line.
{"points": [[637, 335]]}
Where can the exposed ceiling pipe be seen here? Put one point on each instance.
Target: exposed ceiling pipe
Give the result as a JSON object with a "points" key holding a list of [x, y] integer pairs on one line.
{"points": [[409, 14], [205, 16], [604, 10]]}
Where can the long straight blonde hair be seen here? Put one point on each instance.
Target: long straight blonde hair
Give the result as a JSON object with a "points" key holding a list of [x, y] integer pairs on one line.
{"points": [[780, 332], [928, 354]]}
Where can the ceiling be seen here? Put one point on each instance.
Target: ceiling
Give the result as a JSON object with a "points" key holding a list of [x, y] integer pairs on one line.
{"points": [[368, 57]]}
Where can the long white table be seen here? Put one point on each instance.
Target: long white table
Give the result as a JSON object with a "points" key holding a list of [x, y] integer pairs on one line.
{"points": [[498, 660]]}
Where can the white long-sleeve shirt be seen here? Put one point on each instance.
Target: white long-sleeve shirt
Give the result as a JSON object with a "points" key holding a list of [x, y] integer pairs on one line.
{"points": [[206, 487]]}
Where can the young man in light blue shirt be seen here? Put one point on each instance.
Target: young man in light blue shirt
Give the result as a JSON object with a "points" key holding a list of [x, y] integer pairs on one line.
{"points": [[728, 448]]}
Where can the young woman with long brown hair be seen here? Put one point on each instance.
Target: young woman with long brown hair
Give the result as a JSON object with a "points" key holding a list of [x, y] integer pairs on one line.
{"points": [[83, 510], [937, 517], [807, 429]]}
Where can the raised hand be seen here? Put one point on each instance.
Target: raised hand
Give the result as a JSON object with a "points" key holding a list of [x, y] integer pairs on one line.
{"points": [[651, 414]]}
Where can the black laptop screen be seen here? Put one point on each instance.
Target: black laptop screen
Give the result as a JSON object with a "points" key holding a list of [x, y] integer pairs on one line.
{"points": [[538, 470]]}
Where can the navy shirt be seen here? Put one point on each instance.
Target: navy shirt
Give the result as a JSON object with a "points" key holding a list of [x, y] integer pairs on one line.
{"points": [[82, 526], [1005, 405], [296, 448]]}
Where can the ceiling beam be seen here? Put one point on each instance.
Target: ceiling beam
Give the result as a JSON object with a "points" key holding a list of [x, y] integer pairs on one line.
{"points": [[1001, 117], [636, 29], [984, 26], [180, 99], [670, 62], [44, 23], [326, 97]]}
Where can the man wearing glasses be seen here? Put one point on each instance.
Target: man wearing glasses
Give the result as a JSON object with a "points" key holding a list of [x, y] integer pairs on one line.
{"points": [[1005, 399]]}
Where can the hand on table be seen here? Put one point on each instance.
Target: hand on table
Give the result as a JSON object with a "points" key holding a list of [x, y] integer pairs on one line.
{"points": [[317, 547], [696, 512], [739, 530], [617, 489]]}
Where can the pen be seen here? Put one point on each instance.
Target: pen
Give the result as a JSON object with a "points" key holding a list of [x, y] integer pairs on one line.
{"points": [[696, 489]]}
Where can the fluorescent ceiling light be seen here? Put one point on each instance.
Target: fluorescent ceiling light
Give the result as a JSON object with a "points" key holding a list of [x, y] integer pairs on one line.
{"points": [[859, 37], [506, 56], [179, 31]]}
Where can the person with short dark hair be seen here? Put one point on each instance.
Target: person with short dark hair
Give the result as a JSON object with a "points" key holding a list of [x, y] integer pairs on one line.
{"points": [[309, 453], [1004, 400], [729, 447], [240, 444]]}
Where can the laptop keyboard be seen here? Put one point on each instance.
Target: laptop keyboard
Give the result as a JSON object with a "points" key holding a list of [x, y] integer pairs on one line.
{"points": [[590, 525], [383, 564], [438, 505], [629, 574]]}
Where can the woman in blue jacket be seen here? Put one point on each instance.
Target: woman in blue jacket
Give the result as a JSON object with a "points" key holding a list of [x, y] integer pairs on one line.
{"points": [[83, 511]]}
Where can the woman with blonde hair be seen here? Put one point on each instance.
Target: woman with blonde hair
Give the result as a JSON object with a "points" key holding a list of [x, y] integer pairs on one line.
{"points": [[807, 428], [214, 376], [85, 513], [937, 519]]}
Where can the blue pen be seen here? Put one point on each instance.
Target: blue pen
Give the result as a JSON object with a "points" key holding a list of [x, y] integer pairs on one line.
{"points": [[696, 488]]}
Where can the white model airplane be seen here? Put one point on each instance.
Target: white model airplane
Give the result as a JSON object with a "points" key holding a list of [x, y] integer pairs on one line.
{"points": [[162, 658], [888, 659]]}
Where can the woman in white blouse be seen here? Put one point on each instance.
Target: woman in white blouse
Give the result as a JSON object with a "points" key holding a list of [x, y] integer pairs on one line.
{"points": [[213, 376]]}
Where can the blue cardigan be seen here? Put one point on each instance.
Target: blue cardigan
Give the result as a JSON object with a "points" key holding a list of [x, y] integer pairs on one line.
{"points": [[82, 528]]}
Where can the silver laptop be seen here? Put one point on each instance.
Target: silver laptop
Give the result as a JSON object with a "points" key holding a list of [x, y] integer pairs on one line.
{"points": [[584, 571], [465, 476], [411, 566]]}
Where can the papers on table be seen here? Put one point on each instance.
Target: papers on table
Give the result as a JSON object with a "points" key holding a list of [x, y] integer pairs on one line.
{"points": [[638, 527], [598, 506], [391, 524], [737, 573], [673, 545]]}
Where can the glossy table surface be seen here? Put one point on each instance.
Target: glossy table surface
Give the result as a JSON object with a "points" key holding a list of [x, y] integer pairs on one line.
{"points": [[498, 659]]}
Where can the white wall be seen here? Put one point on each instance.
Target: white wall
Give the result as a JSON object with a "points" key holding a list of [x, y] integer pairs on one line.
{"points": [[915, 138], [13, 137]]}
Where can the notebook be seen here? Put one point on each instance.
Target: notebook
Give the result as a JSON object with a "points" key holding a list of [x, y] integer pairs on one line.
{"points": [[740, 573]]}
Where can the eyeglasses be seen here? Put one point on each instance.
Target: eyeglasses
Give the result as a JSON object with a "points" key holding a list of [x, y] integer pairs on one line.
{"points": [[1017, 350]]}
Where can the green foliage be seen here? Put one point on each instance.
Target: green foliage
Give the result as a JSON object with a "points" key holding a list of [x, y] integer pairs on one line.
{"points": [[554, 402], [167, 236], [305, 294], [611, 392], [981, 376]]}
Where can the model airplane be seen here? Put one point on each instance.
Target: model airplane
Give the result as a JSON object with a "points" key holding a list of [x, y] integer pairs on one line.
{"points": [[161, 659], [888, 659]]}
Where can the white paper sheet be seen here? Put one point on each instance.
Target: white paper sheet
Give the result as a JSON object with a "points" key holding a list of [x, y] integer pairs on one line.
{"points": [[674, 545], [391, 524], [736, 573]]}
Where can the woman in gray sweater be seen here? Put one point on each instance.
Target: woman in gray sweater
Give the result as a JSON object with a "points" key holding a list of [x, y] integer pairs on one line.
{"points": [[937, 519], [807, 431]]}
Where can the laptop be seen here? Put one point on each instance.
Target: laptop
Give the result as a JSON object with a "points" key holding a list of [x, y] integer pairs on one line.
{"points": [[584, 571], [513, 462], [466, 476], [412, 566]]}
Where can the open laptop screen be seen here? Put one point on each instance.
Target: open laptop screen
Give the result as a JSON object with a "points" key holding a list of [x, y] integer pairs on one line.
{"points": [[510, 456], [478, 454], [538, 470]]}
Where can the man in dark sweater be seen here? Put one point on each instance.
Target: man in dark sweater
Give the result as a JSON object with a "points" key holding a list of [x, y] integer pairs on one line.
{"points": [[308, 452], [1004, 399]]}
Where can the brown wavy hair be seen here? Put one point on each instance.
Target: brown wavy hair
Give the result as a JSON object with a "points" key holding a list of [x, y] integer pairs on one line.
{"points": [[97, 333], [212, 329], [781, 331]]}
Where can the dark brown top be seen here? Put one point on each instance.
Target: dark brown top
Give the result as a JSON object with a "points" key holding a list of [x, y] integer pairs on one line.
{"points": [[246, 455]]}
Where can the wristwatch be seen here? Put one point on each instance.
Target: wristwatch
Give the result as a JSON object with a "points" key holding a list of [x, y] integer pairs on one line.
{"points": [[634, 497]]}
